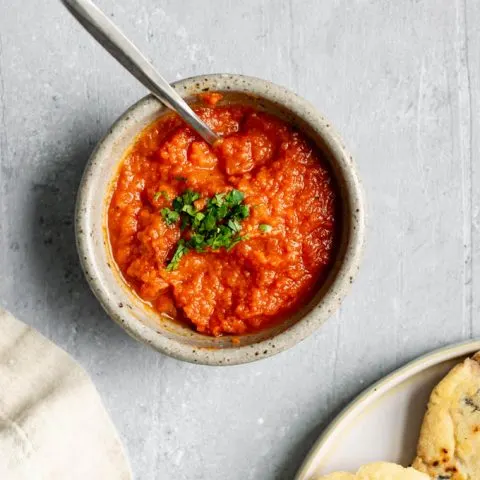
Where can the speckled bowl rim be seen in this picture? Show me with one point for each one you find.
(340, 284)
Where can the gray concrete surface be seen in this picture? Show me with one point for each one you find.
(400, 80)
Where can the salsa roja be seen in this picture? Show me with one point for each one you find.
(287, 240)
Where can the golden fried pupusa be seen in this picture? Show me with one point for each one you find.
(449, 443)
(379, 471)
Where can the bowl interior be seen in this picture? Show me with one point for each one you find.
(126, 307)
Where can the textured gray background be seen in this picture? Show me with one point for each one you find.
(401, 82)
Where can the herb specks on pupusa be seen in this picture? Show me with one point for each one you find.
(473, 402)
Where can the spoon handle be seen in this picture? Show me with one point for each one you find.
(120, 47)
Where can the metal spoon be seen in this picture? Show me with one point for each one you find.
(118, 45)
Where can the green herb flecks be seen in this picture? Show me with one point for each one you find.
(263, 227)
(170, 216)
(162, 193)
(217, 226)
(182, 249)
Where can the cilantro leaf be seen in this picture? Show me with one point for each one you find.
(189, 197)
(197, 220)
(170, 216)
(197, 242)
(182, 250)
(221, 238)
(242, 212)
(162, 193)
(177, 204)
(222, 211)
(218, 199)
(190, 210)
(263, 227)
(237, 240)
(185, 222)
(209, 222)
(235, 197)
(234, 225)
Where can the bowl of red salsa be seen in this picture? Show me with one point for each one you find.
(221, 254)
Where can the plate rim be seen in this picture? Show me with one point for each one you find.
(380, 387)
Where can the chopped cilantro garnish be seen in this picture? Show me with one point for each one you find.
(234, 225)
(218, 199)
(197, 241)
(243, 211)
(190, 210)
(237, 240)
(217, 226)
(235, 197)
(170, 216)
(187, 198)
(182, 249)
(265, 228)
(162, 193)
(199, 216)
(209, 222)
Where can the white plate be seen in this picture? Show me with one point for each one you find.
(383, 422)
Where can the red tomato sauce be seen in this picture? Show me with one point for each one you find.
(287, 187)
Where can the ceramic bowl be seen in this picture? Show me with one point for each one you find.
(172, 338)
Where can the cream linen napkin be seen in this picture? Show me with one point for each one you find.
(52, 423)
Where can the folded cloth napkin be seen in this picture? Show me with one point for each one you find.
(53, 425)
